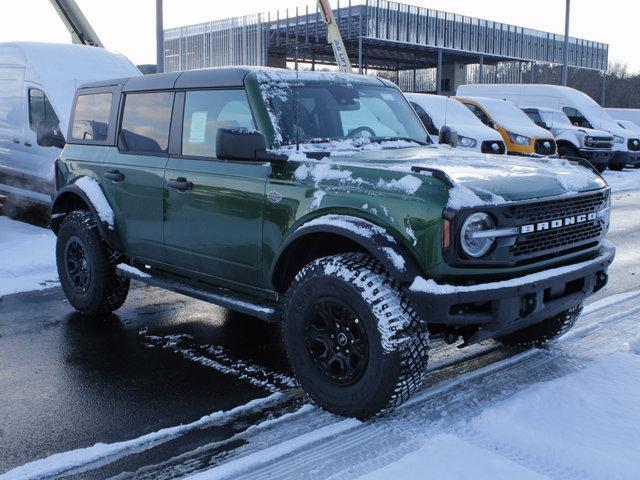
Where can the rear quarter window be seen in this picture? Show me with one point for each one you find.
(91, 117)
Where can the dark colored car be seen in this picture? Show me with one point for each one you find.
(316, 200)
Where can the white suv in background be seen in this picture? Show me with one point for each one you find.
(593, 145)
(437, 111)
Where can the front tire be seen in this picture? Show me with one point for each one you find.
(353, 341)
(539, 334)
(86, 267)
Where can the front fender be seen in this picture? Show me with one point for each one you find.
(371, 237)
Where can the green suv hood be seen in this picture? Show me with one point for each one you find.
(493, 178)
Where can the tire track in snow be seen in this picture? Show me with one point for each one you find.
(439, 409)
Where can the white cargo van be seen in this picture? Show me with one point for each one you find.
(628, 114)
(37, 85)
(437, 111)
(581, 109)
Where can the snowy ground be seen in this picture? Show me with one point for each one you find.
(628, 179)
(567, 412)
(28, 257)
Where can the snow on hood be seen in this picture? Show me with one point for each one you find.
(479, 178)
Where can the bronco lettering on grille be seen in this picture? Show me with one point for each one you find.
(557, 223)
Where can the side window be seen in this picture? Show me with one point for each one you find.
(41, 114)
(576, 117)
(427, 121)
(91, 117)
(483, 117)
(146, 120)
(535, 117)
(208, 110)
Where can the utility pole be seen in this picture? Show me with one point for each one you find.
(565, 63)
(159, 38)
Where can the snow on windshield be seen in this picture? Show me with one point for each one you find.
(321, 108)
(449, 111)
(505, 112)
(556, 119)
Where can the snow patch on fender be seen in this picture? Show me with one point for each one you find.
(95, 194)
(368, 230)
(407, 184)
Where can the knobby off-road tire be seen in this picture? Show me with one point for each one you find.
(87, 266)
(539, 334)
(352, 297)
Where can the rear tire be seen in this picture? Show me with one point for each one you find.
(540, 334)
(87, 267)
(377, 356)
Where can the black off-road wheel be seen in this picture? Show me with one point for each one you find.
(355, 344)
(87, 266)
(540, 334)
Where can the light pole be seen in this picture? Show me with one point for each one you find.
(159, 38)
(565, 62)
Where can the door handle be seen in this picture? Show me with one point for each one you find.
(27, 144)
(114, 176)
(181, 184)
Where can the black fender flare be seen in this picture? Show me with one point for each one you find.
(66, 200)
(371, 237)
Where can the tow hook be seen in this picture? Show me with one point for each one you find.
(528, 305)
(601, 280)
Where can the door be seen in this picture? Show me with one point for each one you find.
(214, 208)
(133, 173)
(11, 122)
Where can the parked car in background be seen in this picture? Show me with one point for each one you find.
(627, 114)
(593, 145)
(437, 111)
(37, 85)
(581, 109)
(520, 134)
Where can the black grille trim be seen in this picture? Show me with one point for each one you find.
(542, 150)
(487, 147)
(558, 208)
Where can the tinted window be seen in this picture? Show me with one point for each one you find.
(207, 111)
(427, 121)
(41, 114)
(145, 122)
(534, 115)
(91, 118)
(576, 117)
(483, 117)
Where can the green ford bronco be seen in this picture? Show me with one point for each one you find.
(316, 200)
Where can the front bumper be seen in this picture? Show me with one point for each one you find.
(625, 158)
(502, 307)
(596, 157)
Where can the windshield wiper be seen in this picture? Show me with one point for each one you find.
(396, 139)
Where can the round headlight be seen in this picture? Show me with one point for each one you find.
(476, 246)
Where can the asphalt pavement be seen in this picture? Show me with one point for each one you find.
(68, 382)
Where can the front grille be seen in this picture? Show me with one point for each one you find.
(558, 239)
(565, 207)
(541, 147)
(600, 142)
(555, 240)
(493, 146)
(633, 144)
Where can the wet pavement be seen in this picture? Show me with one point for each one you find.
(68, 382)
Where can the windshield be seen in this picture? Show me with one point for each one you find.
(452, 112)
(557, 119)
(505, 113)
(321, 112)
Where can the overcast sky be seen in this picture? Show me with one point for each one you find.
(128, 26)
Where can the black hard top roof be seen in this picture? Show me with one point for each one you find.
(207, 78)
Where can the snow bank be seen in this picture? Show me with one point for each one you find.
(621, 181)
(28, 257)
(92, 189)
(63, 462)
(586, 422)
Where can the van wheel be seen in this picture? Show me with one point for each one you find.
(86, 266)
(541, 333)
(353, 341)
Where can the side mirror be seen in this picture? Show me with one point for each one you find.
(49, 137)
(245, 145)
(448, 136)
